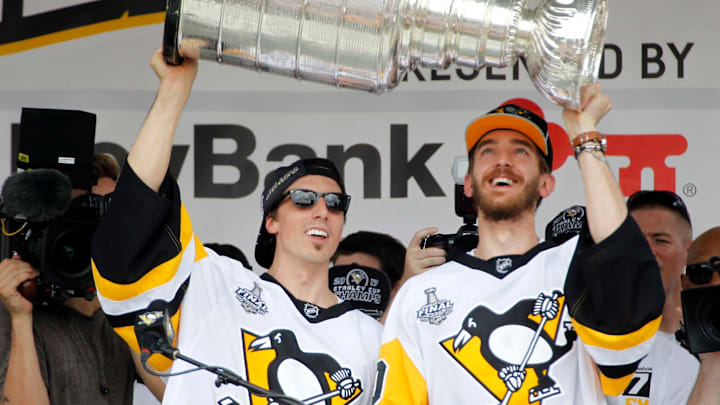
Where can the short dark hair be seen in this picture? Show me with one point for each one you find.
(659, 198)
(388, 250)
(231, 251)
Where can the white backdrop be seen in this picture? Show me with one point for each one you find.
(669, 120)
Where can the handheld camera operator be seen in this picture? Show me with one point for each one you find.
(55, 345)
(285, 330)
(701, 305)
(519, 320)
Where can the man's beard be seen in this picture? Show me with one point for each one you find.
(504, 211)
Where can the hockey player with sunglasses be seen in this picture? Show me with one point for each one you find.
(284, 331)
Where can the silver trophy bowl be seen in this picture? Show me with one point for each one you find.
(371, 44)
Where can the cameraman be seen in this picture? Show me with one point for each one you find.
(706, 389)
(61, 353)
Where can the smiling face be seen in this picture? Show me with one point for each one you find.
(505, 179)
(308, 235)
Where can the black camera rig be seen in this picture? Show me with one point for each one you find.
(467, 235)
(41, 222)
(701, 314)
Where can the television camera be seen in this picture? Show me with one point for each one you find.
(41, 221)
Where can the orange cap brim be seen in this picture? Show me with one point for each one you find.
(488, 123)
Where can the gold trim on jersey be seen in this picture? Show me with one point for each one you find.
(403, 385)
(615, 386)
(156, 276)
(617, 342)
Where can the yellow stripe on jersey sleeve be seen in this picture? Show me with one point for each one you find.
(615, 386)
(158, 361)
(155, 277)
(403, 385)
(617, 342)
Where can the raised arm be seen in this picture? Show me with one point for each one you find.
(606, 208)
(150, 154)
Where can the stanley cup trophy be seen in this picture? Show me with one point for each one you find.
(371, 44)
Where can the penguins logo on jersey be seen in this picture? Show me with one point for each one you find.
(276, 362)
(511, 354)
(250, 300)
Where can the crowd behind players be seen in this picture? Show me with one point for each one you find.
(662, 216)
(61, 355)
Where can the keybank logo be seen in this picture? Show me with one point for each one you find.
(644, 151)
(23, 27)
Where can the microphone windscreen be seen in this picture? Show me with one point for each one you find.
(38, 195)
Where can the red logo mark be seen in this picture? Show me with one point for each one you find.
(643, 150)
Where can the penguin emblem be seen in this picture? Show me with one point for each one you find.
(510, 354)
(275, 361)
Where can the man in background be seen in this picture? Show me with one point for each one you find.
(64, 352)
(703, 270)
(667, 374)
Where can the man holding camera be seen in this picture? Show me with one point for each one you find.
(63, 352)
(500, 324)
(667, 374)
(703, 270)
(284, 331)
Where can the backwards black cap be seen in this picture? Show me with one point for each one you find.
(279, 181)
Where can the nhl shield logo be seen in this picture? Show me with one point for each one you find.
(250, 300)
(311, 310)
(503, 265)
(436, 310)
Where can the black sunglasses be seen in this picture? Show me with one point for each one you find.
(701, 273)
(667, 199)
(307, 198)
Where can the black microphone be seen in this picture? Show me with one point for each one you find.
(37, 195)
(154, 331)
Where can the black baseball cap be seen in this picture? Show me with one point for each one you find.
(516, 118)
(659, 198)
(278, 181)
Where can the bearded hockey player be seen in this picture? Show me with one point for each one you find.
(285, 330)
(518, 320)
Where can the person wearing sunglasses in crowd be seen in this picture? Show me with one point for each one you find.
(703, 270)
(667, 374)
(285, 330)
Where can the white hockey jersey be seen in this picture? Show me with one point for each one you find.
(665, 377)
(558, 325)
(224, 314)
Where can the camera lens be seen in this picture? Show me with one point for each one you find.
(709, 318)
(71, 253)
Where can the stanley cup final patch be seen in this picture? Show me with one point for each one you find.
(436, 310)
(250, 300)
